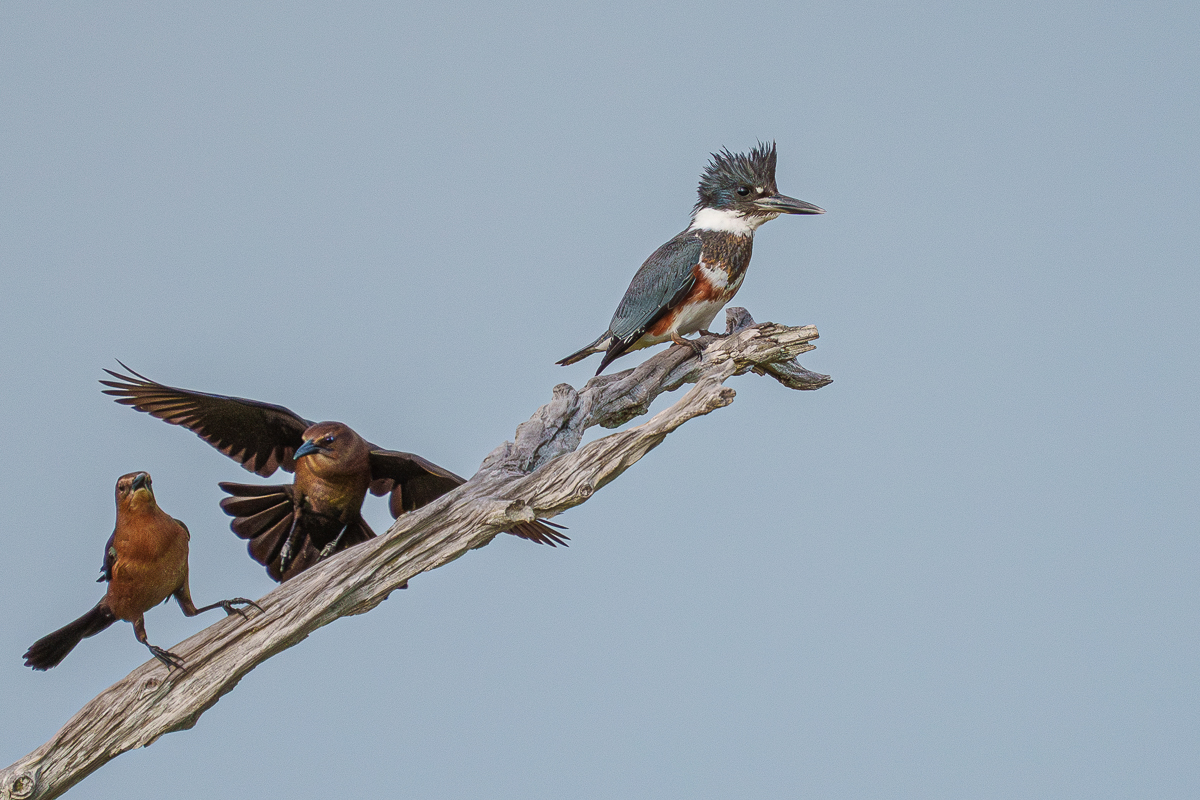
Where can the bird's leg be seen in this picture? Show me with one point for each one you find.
(183, 596)
(697, 348)
(291, 543)
(165, 656)
(331, 548)
(229, 606)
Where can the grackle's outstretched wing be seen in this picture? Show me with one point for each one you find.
(260, 436)
(411, 480)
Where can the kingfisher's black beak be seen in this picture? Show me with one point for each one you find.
(142, 481)
(307, 449)
(782, 204)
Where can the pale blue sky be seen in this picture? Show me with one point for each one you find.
(968, 568)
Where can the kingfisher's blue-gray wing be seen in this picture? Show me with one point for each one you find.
(661, 283)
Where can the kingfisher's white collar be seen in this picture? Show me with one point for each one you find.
(724, 220)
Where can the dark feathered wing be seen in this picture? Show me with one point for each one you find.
(414, 482)
(260, 436)
(110, 558)
(659, 285)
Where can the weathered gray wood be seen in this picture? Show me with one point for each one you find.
(541, 473)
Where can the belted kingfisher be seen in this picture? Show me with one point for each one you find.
(684, 283)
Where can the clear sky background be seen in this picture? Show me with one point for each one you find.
(967, 568)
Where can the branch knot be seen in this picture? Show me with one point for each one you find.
(24, 785)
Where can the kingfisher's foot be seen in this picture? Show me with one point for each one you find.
(711, 333)
(697, 348)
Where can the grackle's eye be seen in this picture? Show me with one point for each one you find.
(743, 191)
(328, 439)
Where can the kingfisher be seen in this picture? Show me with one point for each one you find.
(683, 284)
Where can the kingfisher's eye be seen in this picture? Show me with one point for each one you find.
(743, 191)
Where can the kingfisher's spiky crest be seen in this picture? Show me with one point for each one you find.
(727, 171)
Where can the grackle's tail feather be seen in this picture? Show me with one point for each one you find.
(50, 650)
(264, 515)
(542, 532)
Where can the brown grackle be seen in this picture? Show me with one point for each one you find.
(145, 563)
(290, 527)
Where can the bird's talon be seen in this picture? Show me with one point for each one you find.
(231, 609)
(332, 547)
(167, 657)
(697, 348)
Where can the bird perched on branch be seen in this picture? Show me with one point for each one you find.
(293, 526)
(145, 562)
(683, 284)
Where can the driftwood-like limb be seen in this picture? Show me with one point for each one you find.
(541, 473)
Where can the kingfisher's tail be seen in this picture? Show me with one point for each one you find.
(599, 346)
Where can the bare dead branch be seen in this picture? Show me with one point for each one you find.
(541, 473)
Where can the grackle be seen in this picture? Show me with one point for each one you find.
(145, 563)
(290, 527)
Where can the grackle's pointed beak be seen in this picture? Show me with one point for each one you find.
(307, 449)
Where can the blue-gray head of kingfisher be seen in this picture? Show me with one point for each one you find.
(741, 187)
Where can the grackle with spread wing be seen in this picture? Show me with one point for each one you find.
(290, 527)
